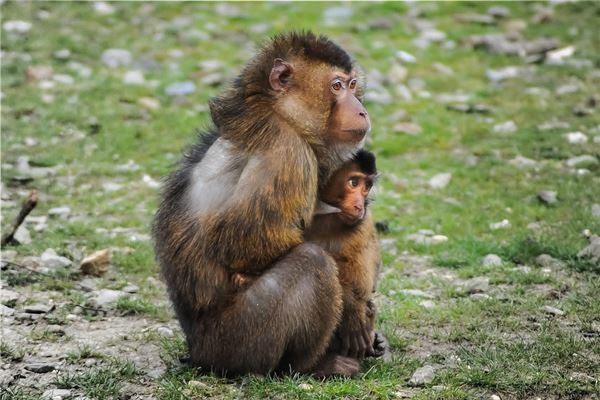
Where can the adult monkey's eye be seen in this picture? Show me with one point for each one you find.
(353, 181)
(352, 84)
(337, 85)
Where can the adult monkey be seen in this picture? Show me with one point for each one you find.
(240, 201)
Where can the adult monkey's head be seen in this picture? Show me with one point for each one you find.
(302, 83)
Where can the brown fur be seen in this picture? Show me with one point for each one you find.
(239, 203)
(353, 244)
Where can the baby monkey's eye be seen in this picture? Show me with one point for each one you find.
(353, 181)
(352, 84)
(337, 85)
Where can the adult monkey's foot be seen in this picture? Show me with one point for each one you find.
(336, 365)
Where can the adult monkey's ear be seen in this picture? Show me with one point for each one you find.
(281, 72)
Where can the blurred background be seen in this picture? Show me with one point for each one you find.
(486, 125)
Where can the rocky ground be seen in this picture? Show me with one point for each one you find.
(487, 133)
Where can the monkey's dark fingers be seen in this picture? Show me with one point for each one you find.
(345, 348)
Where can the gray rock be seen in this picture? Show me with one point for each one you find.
(88, 284)
(547, 197)
(22, 235)
(213, 79)
(498, 12)
(38, 308)
(422, 376)
(505, 127)
(381, 96)
(417, 293)
(107, 297)
(134, 77)
(131, 288)
(8, 296)
(56, 394)
(479, 296)
(479, 284)
(408, 128)
(17, 26)
(164, 331)
(180, 88)
(440, 181)
(595, 210)
(59, 211)
(576, 137)
(405, 57)
(553, 310)
(523, 162)
(547, 261)
(504, 224)
(592, 251)
(115, 58)
(492, 260)
(62, 54)
(427, 304)
(39, 367)
(103, 8)
(420, 238)
(6, 311)
(51, 260)
(585, 159)
(338, 12)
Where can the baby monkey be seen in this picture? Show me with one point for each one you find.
(344, 228)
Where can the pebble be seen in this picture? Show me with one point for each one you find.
(405, 57)
(39, 368)
(547, 197)
(88, 284)
(17, 26)
(38, 308)
(417, 293)
(213, 79)
(495, 397)
(591, 251)
(504, 224)
(553, 310)
(440, 181)
(523, 162)
(6, 311)
(499, 75)
(106, 297)
(479, 296)
(305, 386)
(134, 77)
(427, 304)
(505, 127)
(103, 8)
(420, 238)
(595, 210)
(581, 160)
(59, 211)
(576, 138)
(150, 182)
(63, 79)
(165, 331)
(131, 288)
(476, 285)
(397, 74)
(51, 260)
(180, 88)
(422, 376)
(22, 235)
(498, 12)
(408, 128)
(8, 296)
(115, 58)
(547, 261)
(149, 103)
(62, 54)
(492, 260)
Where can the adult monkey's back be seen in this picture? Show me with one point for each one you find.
(239, 202)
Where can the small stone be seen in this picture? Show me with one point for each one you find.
(180, 88)
(134, 77)
(59, 211)
(422, 376)
(6, 311)
(51, 260)
(106, 297)
(88, 284)
(17, 26)
(553, 310)
(103, 8)
(305, 386)
(115, 58)
(492, 260)
(585, 159)
(165, 331)
(495, 397)
(582, 377)
(436, 239)
(38, 308)
(97, 263)
(505, 127)
(197, 384)
(63, 79)
(214, 79)
(476, 285)
(39, 72)
(479, 296)
(9, 297)
(576, 138)
(149, 103)
(427, 304)
(111, 186)
(547, 197)
(440, 181)
(547, 261)
(416, 293)
(408, 128)
(504, 224)
(592, 251)
(405, 57)
(397, 73)
(22, 235)
(62, 54)
(39, 367)
(499, 75)
(498, 12)
(595, 210)
(131, 288)
(523, 162)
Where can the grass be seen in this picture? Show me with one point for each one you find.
(505, 345)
